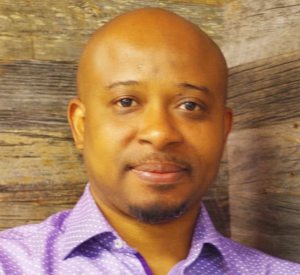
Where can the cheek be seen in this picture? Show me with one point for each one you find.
(207, 142)
(105, 140)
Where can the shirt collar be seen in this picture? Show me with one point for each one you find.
(84, 222)
(205, 233)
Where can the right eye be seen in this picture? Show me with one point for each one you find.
(126, 102)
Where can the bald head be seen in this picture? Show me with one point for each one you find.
(149, 30)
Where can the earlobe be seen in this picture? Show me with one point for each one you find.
(76, 117)
(228, 121)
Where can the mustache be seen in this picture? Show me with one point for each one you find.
(158, 158)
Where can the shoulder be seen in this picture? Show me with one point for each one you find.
(24, 248)
(251, 261)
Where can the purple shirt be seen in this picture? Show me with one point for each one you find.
(81, 241)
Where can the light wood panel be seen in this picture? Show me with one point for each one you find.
(47, 30)
(265, 92)
(255, 30)
(264, 155)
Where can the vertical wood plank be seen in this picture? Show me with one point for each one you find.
(264, 155)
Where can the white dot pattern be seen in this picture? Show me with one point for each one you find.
(82, 242)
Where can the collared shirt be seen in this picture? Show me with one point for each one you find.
(81, 241)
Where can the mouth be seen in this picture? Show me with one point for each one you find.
(159, 172)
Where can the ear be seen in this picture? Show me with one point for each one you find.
(76, 117)
(228, 121)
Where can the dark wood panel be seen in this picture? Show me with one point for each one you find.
(19, 213)
(35, 94)
(40, 173)
(266, 92)
(216, 199)
(34, 163)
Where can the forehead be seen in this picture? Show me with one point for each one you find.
(115, 60)
(156, 55)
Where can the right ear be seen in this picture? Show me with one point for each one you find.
(76, 117)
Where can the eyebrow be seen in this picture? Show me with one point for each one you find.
(122, 83)
(185, 85)
(200, 88)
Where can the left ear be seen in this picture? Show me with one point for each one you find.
(76, 117)
(228, 121)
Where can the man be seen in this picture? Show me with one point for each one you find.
(152, 123)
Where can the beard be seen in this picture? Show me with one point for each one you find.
(158, 213)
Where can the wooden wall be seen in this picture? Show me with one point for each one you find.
(261, 41)
(40, 170)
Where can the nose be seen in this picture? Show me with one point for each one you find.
(158, 129)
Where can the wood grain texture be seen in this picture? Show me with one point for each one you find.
(40, 170)
(264, 156)
(47, 30)
(35, 94)
(265, 189)
(216, 199)
(203, 2)
(266, 92)
(41, 173)
(256, 30)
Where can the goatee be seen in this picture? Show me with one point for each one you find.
(158, 213)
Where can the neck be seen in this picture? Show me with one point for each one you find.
(162, 245)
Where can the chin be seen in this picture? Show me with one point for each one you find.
(158, 212)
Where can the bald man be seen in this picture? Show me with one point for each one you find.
(152, 122)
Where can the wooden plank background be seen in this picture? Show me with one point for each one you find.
(42, 173)
(261, 41)
(44, 30)
(254, 30)
(264, 155)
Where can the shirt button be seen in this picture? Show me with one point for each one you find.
(118, 243)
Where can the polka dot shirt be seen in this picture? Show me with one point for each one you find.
(81, 242)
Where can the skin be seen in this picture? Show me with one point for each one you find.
(152, 123)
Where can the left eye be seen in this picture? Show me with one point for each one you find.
(126, 102)
(190, 106)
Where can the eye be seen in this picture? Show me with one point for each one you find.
(190, 106)
(126, 102)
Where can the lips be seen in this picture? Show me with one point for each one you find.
(159, 172)
(158, 167)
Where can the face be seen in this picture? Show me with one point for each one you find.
(152, 128)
